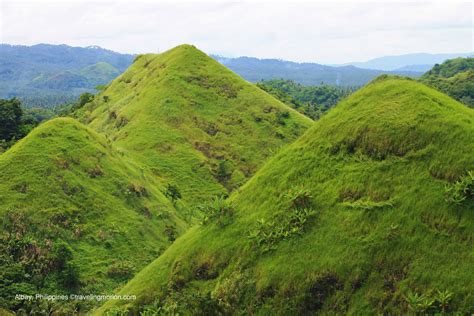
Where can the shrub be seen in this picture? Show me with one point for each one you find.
(299, 198)
(137, 190)
(172, 192)
(267, 234)
(427, 303)
(219, 211)
(462, 189)
(121, 269)
(170, 232)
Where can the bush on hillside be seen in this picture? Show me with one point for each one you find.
(461, 190)
(172, 192)
(219, 211)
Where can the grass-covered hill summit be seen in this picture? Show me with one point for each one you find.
(370, 211)
(193, 123)
(73, 211)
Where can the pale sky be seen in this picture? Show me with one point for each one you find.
(317, 31)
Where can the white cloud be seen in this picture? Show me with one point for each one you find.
(328, 32)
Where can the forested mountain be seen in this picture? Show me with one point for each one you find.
(454, 77)
(44, 75)
(254, 70)
(408, 62)
(312, 101)
(369, 212)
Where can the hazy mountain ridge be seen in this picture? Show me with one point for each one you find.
(418, 61)
(46, 74)
(255, 69)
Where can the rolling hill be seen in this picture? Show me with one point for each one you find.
(193, 123)
(73, 209)
(371, 211)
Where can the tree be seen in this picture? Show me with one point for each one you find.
(10, 119)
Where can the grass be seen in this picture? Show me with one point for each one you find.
(192, 122)
(83, 207)
(65, 183)
(375, 169)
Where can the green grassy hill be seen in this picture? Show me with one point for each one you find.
(454, 77)
(74, 211)
(195, 124)
(370, 211)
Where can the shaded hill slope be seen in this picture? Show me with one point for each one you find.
(354, 217)
(195, 124)
(73, 212)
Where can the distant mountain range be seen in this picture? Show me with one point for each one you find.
(45, 75)
(420, 62)
(51, 74)
(255, 69)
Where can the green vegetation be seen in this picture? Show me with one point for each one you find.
(73, 210)
(76, 205)
(461, 189)
(311, 101)
(454, 77)
(192, 122)
(16, 122)
(390, 149)
(46, 76)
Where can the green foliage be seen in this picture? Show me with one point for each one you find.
(428, 303)
(311, 101)
(454, 77)
(218, 211)
(461, 190)
(10, 118)
(267, 234)
(172, 192)
(299, 198)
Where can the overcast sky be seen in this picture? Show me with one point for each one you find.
(323, 31)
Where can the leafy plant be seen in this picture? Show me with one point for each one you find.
(219, 211)
(443, 298)
(299, 198)
(415, 301)
(172, 192)
(462, 189)
(268, 233)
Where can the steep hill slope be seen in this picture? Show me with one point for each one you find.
(73, 211)
(195, 124)
(354, 217)
(454, 77)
